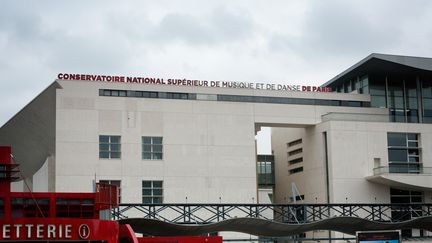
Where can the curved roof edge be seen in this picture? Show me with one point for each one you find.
(423, 63)
(270, 228)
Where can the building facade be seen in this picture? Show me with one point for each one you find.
(352, 158)
(192, 141)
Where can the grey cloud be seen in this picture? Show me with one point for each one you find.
(352, 28)
(341, 28)
(182, 27)
(77, 53)
(220, 26)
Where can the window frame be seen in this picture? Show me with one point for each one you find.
(109, 151)
(408, 144)
(152, 188)
(153, 154)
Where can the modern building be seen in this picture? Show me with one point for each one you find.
(193, 141)
(370, 157)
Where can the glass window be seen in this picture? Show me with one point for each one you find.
(403, 153)
(427, 88)
(364, 85)
(152, 191)
(395, 86)
(412, 103)
(398, 155)
(294, 152)
(411, 88)
(378, 101)
(264, 167)
(295, 161)
(183, 96)
(109, 147)
(296, 170)
(397, 139)
(152, 148)
(396, 102)
(398, 196)
(295, 142)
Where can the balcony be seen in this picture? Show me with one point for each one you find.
(410, 176)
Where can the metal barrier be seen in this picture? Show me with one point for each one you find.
(286, 213)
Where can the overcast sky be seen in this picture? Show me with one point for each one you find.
(291, 42)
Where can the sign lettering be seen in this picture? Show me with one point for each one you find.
(39, 231)
(190, 82)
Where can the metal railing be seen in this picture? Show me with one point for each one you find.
(286, 213)
(342, 116)
(408, 168)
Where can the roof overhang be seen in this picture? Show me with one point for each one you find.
(384, 63)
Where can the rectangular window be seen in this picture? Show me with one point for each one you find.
(295, 161)
(181, 96)
(404, 153)
(294, 152)
(109, 147)
(152, 191)
(399, 196)
(295, 142)
(152, 148)
(296, 170)
(265, 167)
(115, 183)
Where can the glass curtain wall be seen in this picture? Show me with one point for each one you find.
(427, 98)
(408, 97)
(398, 93)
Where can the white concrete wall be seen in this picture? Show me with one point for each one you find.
(352, 148)
(209, 147)
(40, 179)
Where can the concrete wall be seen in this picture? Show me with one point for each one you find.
(31, 134)
(209, 148)
(352, 149)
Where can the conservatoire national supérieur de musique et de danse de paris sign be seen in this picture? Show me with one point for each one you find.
(192, 82)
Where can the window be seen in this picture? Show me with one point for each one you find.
(232, 98)
(294, 152)
(295, 142)
(265, 166)
(295, 161)
(398, 196)
(427, 99)
(115, 183)
(296, 170)
(152, 191)
(109, 147)
(403, 153)
(152, 148)
(182, 96)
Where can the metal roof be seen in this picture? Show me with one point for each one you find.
(395, 62)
